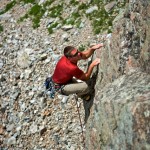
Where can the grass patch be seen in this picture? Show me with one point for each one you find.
(82, 6)
(74, 2)
(28, 1)
(100, 19)
(23, 18)
(51, 27)
(82, 47)
(56, 11)
(1, 28)
(35, 10)
(37, 13)
(73, 19)
(8, 7)
(48, 3)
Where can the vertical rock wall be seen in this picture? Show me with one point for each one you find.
(120, 115)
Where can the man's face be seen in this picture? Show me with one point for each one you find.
(75, 54)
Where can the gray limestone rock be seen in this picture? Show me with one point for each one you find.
(23, 60)
(110, 6)
(11, 141)
(1, 63)
(120, 113)
(91, 9)
(67, 27)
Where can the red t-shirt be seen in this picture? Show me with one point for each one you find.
(65, 71)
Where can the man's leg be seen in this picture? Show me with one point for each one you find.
(80, 88)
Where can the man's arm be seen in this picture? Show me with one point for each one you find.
(87, 53)
(87, 75)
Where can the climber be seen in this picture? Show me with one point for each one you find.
(67, 73)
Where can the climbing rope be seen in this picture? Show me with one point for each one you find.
(83, 138)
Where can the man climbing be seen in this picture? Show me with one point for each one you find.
(67, 72)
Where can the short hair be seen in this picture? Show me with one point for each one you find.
(67, 50)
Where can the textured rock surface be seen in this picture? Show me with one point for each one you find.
(120, 115)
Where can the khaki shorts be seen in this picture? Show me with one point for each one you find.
(76, 87)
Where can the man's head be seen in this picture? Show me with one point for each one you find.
(72, 53)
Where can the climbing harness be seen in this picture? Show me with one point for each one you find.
(52, 87)
(83, 138)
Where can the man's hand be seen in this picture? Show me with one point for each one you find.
(86, 54)
(97, 46)
(87, 75)
(95, 62)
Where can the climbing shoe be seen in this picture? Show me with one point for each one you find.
(86, 97)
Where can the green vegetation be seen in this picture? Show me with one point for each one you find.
(82, 6)
(100, 19)
(1, 28)
(36, 12)
(28, 1)
(52, 26)
(73, 19)
(82, 47)
(56, 11)
(48, 3)
(74, 2)
(22, 18)
(8, 7)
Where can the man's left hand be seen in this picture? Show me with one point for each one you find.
(97, 46)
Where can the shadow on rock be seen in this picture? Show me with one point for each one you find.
(88, 104)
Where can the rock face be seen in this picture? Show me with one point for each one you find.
(120, 115)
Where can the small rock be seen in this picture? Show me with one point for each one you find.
(33, 128)
(43, 56)
(27, 74)
(10, 127)
(47, 112)
(91, 9)
(65, 37)
(67, 27)
(18, 128)
(110, 6)
(43, 130)
(1, 64)
(29, 51)
(2, 78)
(65, 99)
(1, 129)
(50, 21)
(11, 141)
(41, 2)
(5, 16)
(23, 60)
